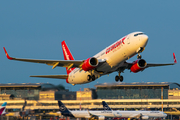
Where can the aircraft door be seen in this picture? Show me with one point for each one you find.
(128, 40)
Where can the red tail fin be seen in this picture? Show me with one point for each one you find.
(67, 55)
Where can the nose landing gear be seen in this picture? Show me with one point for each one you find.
(141, 49)
(139, 56)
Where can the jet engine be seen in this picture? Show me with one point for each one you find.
(101, 118)
(145, 117)
(138, 65)
(90, 64)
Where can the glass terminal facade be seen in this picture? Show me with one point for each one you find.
(24, 91)
(132, 92)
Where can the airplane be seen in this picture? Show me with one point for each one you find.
(137, 114)
(111, 59)
(86, 113)
(3, 109)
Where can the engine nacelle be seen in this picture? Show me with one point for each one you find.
(90, 64)
(101, 117)
(145, 117)
(138, 65)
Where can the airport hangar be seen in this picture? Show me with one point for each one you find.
(43, 97)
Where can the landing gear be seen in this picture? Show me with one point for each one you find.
(91, 77)
(119, 78)
(139, 56)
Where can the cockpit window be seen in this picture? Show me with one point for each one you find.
(138, 34)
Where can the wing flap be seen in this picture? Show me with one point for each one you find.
(52, 76)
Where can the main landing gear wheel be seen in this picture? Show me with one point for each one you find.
(119, 78)
(91, 78)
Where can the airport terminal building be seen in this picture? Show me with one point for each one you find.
(35, 91)
(149, 90)
(119, 96)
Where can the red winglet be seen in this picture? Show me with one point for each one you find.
(175, 61)
(10, 58)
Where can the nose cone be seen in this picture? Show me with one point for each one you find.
(165, 115)
(144, 39)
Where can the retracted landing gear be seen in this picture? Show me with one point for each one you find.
(119, 78)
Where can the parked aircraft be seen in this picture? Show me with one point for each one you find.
(86, 113)
(112, 58)
(3, 109)
(137, 114)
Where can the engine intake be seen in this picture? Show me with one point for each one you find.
(138, 65)
(90, 64)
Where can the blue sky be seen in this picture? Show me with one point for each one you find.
(35, 29)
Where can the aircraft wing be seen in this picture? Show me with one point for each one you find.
(54, 63)
(129, 65)
(52, 76)
(155, 65)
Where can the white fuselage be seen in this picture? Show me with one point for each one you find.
(150, 114)
(114, 55)
(86, 114)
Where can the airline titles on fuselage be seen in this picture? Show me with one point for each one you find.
(118, 43)
(106, 111)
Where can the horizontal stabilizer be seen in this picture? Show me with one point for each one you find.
(52, 76)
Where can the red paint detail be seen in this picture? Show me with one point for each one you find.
(118, 43)
(123, 40)
(67, 80)
(67, 55)
(175, 61)
(136, 68)
(10, 58)
(87, 66)
(1, 110)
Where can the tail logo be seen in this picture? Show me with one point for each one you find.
(62, 108)
(106, 107)
(65, 52)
